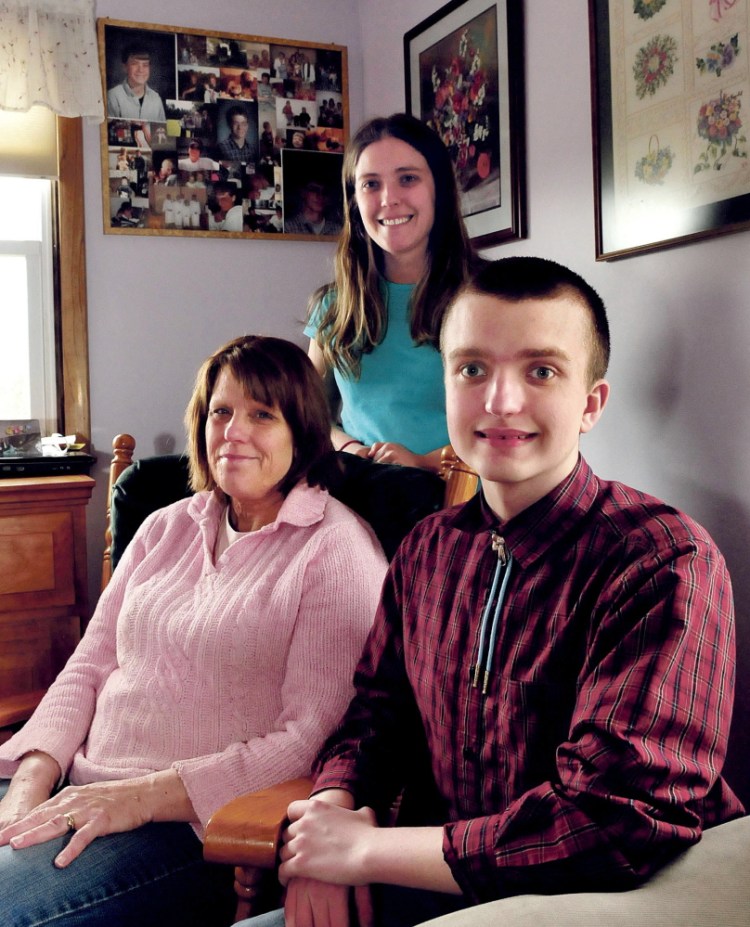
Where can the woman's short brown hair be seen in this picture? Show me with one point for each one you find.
(278, 374)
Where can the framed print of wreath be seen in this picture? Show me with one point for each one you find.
(671, 96)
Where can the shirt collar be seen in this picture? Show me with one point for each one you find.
(531, 533)
(129, 90)
(304, 506)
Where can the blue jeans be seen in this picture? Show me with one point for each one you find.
(154, 875)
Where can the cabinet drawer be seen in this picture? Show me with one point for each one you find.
(37, 559)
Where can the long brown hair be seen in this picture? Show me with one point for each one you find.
(356, 320)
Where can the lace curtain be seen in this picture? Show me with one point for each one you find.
(48, 55)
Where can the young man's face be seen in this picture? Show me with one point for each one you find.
(225, 200)
(138, 71)
(314, 197)
(239, 126)
(518, 393)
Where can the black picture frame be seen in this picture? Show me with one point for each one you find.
(464, 77)
(669, 168)
(213, 145)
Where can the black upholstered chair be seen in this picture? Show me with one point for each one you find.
(392, 499)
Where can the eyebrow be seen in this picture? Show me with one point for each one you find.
(398, 170)
(526, 354)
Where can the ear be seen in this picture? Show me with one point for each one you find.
(595, 403)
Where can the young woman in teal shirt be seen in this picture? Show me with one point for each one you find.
(402, 254)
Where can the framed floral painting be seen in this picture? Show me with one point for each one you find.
(671, 95)
(464, 78)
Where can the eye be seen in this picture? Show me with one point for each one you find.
(543, 373)
(265, 415)
(219, 411)
(369, 185)
(409, 179)
(471, 370)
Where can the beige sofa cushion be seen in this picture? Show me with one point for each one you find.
(706, 886)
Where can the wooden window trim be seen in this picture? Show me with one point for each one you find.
(73, 343)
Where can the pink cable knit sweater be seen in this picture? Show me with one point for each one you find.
(232, 673)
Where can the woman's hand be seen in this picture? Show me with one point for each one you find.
(101, 808)
(35, 778)
(356, 448)
(93, 810)
(19, 800)
(388, 452)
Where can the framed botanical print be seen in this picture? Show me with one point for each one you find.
(670, 93)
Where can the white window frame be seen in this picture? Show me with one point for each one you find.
(42, 360)
(72, 331)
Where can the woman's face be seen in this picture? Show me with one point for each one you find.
(395, 194)
(249, 446)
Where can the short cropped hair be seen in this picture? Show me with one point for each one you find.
(280, 375)
(236, 110)
(520, 278)
(134, 51)
(227, 186)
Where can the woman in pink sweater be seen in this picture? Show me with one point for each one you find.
(219, 658)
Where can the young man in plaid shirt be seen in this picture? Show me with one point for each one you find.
(560, 649)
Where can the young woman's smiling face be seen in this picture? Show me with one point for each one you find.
(395, 194)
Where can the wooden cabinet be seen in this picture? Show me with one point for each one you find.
(43, 591)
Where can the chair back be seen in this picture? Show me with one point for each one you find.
(391, 499)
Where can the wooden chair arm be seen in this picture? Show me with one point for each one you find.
(461, 482)
(247, 831)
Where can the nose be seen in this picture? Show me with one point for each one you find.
(389, 194)
(503, 396)
(236, 429)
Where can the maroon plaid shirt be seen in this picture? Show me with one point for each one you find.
(597, 750)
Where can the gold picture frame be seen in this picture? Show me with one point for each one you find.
(220, 134)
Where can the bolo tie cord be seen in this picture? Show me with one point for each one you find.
(491, 615)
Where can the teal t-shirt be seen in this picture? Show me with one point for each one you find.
(399, 395)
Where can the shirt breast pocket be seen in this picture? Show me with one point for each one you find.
(522, 724)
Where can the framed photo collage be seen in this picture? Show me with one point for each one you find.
(221, 135)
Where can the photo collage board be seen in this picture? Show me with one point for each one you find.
(221, 134)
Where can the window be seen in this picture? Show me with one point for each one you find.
(27, 309)
(64, 204)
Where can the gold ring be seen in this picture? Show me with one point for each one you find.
(70, 821)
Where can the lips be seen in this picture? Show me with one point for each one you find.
(505, 436)
(233, 457)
